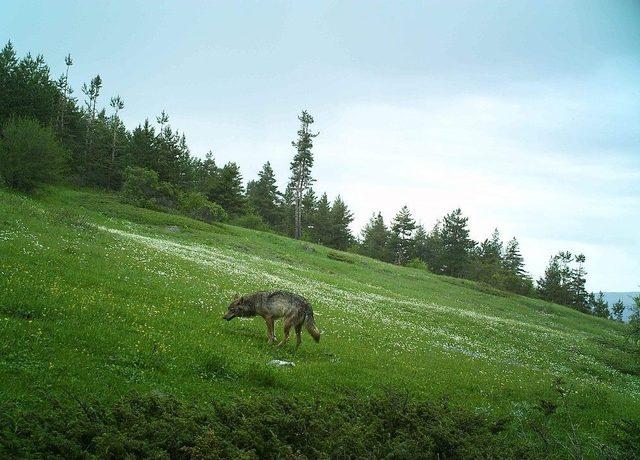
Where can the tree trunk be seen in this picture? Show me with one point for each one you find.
(298, 217)
(64, 100)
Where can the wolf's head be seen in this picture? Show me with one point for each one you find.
(236, 308)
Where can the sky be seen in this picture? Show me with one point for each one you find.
(525, 114)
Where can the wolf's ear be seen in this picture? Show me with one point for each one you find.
(236, 296)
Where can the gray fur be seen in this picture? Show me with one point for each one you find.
(292, 308)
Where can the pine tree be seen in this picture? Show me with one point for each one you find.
(185, 177)
(617, 310)
(205, 171)
(599, 306)
(456, 243)
(565, 284)
(513, 260)
(320, 231)
(301, 166)
(170, 156)
(92, 92)
(140, 149)
(435, 249)
(287, 212)
(402, 228)
(486, 261)
(8, 82)
(117, 104)
(162, 120)
(65, 89)
(491, 249)
(516, 279)
(26, 89)
(340, 217)
(263, 195)
(420, 245)
(375, 239)
(100, 170)
(226, 189)
(552, 286)
(309, 207)
(578, 292)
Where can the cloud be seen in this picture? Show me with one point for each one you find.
(466, 152)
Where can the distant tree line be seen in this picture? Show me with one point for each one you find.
(447, 249)
(48, 134)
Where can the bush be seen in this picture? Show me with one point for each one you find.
(142, 187)
(340, 257)
(157, 425)
(196, 205)
(251, 221)
(29, 155)
(417, 263)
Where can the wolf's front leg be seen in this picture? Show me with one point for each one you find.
(270, 335)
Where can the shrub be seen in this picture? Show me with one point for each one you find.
(417, 263)
(197, 206)
(157, 425)
(29, 155)
(142, 187)
(251, 221)
(340, 257)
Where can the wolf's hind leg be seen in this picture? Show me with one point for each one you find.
(298, 335)
(287, 328)
(270, 335)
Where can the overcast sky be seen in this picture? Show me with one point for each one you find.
(526, 114)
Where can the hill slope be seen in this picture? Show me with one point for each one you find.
(100, 299)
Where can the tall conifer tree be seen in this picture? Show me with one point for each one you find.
(263, 195)
(320, 231)
(513, 261)
(402, 228)
(456, 243)
(340, 236)
(617, 310)
(92, 92)
(375, 238)
(65, 88)
(226, 189)
(301, 165)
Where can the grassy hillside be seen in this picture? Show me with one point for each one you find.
(100, 301)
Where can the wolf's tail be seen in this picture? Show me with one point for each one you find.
(310, 324)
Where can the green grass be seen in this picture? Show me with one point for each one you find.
(101, 300)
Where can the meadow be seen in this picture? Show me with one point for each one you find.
(105, 306)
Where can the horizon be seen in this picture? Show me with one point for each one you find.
(531, 129)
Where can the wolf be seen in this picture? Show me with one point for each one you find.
(294, 309)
